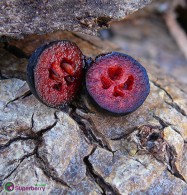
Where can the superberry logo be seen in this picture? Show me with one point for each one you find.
(9, 186)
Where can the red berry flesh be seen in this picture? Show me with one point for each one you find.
(117, 83)
(54, 73)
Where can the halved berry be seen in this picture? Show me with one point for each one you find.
(117, 83)
(54, 72)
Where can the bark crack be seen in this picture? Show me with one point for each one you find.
(173, 104)
(49, 171)
(88, 128)
(165, 124)
(135, 159)
(107, 188)
(173, 169)
(15, 51)
(20, 161)
(16, 139)
(40, 133)
(36, 136)
(124, 136)
(159, 86)
(26, 94)
(151, 139)
(87, 41)
(177, 108)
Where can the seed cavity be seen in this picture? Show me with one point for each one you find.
(128, 83)
(69, 79)
(117, 92)
(67, 67)
(54, 75)
(57, 86)
(106, 82)
(115, 72)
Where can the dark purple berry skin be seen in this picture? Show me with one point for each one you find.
(117, 83)
(30, 68)
(54, 73)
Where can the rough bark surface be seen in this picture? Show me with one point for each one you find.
(82, 150)
(19, 17)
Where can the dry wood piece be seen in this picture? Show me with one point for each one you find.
(19, 18)
(175, 28)
(85, 151)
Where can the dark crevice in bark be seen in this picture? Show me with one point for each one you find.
(124, 136)
(177, 108)
(49, 171)
(40, 133)
(43, 163)
(172, 160)
(163, 123)
(89, 130)
(173, 104)
(26, 94)
(20, 161)
(36, 175)
(177, 131)
(139, 162)
(87, 41)
(171, 166)
(166, 124)
(152, 140)
(106, 187)
(103, 21)
(15, 51)
(36, 136)
(55, 115)
(32, 122)
(159, 86)
(2, 77)
(15, 140)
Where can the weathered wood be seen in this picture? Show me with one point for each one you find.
(175, 28)
(87, 150)
(18, 18)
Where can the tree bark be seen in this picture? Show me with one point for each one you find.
(82, 150)
(19, 18)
